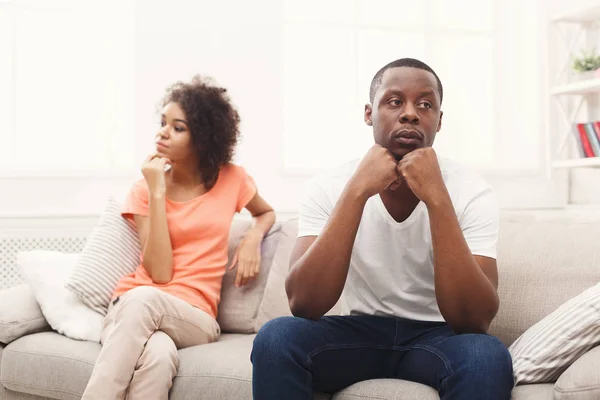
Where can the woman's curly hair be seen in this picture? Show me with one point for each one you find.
(212, 120)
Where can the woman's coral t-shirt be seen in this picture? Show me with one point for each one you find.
(199, 232)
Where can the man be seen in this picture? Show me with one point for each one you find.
(410, 240)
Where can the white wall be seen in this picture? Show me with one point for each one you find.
(243, 50)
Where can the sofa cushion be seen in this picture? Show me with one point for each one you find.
(274, 302)
(220, 370)
(48, 364)
(20, 313)
(238, 307)
(581, 381)
(388, 389)
(542, 391)
(542, 264)
(549, 347)
(51, 365)
(6, 394)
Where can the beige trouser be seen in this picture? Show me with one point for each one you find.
(140, 337)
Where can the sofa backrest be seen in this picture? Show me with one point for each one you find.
(541, 262)
(239, 306)
(275, 302)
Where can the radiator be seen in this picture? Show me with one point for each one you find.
(11, 244)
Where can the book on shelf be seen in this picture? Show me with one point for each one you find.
(587, 136)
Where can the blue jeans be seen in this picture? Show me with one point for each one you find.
(293, 357)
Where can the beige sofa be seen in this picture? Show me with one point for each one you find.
(542, 263)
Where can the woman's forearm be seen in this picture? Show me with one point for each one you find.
(262, 224)
(157, 251)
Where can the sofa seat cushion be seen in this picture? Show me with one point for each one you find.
(581, 381)
(48, 364)
(52, 365)
(388, 389)
(6, 394)
(541, 391)
(219, 370)
(393, 389)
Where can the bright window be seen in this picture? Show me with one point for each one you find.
(484, 51)
(66, 86)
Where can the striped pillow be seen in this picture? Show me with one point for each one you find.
(550, 346)
(111, 252)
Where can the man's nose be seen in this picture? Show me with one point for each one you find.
(409, 114)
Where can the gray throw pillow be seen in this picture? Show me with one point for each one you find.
(549, 347)
(20, 314)
(111, 252)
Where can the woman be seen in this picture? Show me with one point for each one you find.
(182, 209)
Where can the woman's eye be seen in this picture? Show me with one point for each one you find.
(179, 129)
(162, 124)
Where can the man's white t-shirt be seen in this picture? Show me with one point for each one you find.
(391, 269)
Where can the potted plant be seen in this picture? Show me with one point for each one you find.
(587, 66)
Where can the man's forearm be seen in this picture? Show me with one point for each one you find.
(466, 297)
(317, 279)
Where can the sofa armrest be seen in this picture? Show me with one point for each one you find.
(581, 381)
(20, 313)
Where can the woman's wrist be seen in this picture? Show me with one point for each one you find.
(158, 196)
(254, 235)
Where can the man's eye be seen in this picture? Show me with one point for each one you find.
(395, 102)
(426, 105)
(162, 123)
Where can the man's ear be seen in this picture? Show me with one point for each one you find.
(440, 122)
(368, 114)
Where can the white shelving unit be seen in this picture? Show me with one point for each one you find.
(580, 15)
(583, 87)
(578, 163)
(576, 99)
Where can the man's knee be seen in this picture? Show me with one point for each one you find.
(277, 336)
(486, 356)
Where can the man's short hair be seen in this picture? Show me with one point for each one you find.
(403, 62)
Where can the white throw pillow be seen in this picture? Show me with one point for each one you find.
(20, 313)
(111, 252)
(46, 273)
(550, 346)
